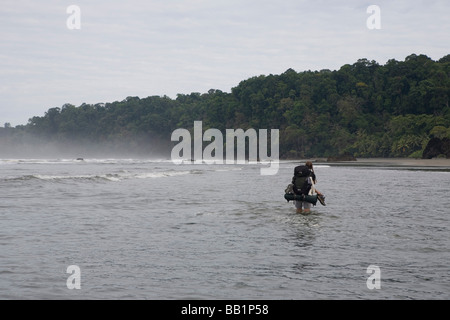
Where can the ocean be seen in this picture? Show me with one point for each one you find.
(150, 229)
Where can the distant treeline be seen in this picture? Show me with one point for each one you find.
(364, 109)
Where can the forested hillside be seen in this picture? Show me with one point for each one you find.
(364, 109)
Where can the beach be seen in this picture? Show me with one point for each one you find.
(396, 162)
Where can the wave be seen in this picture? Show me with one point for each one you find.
(93, 169)
(113, 177)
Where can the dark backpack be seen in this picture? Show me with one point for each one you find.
(301, 180)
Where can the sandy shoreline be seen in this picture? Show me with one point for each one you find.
(393, 162)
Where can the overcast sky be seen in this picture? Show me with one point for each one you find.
(164, 47)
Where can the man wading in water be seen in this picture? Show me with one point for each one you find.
(304, 181)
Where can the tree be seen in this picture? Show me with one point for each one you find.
(363, 108)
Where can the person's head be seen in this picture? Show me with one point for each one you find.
(310, 166)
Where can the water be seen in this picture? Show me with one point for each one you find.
(143, 229)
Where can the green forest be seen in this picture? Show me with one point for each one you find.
(363, 109)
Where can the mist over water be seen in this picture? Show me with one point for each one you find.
(23, 145)
(149, 229)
